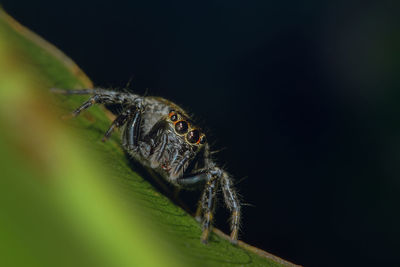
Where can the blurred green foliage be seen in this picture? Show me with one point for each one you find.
(66, 198)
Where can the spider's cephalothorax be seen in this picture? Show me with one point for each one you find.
(160, 135)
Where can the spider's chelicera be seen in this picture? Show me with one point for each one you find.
(161, 135)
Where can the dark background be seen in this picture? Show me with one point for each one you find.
(304, 96)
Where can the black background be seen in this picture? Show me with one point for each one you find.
(304, 96)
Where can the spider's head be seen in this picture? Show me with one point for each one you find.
(182, 127)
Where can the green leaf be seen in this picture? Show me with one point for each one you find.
(68, 199)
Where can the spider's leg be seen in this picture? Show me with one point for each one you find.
(85, 91)
(208, 204)
(207, 200)
(199, 212)
(85, 105)
(108, 95)
(131, 133)
(100, 96)
(200, 177)
(193, 180)
(232, 202)
(118, 122)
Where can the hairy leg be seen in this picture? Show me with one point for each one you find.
(194, 179)
(118, 122)
(191, 181)
(208, 205)
(232, 202)
(100, 96)
(131, 134)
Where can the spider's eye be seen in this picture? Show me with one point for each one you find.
(203, 139)
(181, 127)
(193, 136)
(172, 115)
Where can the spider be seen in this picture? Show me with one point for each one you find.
(161, 136)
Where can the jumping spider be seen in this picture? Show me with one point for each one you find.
(160, 135)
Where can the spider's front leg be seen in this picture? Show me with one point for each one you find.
(207, 203)
(220, 177)
(131, 134)
(207, 200)
(131, 115)
(214, 178)
(232, 202)
(100, 96)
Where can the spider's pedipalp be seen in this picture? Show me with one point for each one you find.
(182, 163)
(157, 140)
(158, 151)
